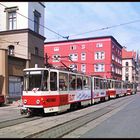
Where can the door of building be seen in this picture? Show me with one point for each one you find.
(15, 86)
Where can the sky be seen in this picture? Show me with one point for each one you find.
(91, 19)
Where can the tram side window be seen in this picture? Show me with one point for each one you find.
(86, 82)
(45, 81)
(116, 84)
(108, 84)
(102, 84)
(72, 82)
(113, 84)
(53, 81)
(96, 83)
(124, 85)
(26, 82)
(63, 81)
(79, 82)
(119, 85)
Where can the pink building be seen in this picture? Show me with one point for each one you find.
(100, 56)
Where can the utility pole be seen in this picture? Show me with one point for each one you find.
(47, 64)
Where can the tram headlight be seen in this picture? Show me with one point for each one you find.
(25, 101)
(37, 102)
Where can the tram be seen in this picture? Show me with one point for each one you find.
(51, 90)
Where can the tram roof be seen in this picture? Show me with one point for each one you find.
(55, 69)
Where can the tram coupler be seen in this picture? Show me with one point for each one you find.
(26, 111)
(23, 110)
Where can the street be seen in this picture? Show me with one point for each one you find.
(8, 112)
(122, 122)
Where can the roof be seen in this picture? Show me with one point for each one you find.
(128, 54)
(83, 39)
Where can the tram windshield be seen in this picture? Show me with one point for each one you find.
(35, 80)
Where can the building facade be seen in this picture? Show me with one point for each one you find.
(21, 43)
(100, 56)
(130, 67)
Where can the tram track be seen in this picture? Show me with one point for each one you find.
(16, 121)
(62, 129)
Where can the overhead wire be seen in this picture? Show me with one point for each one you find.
(106, 28)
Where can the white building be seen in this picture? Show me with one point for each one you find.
(21, 43)
(129, 67)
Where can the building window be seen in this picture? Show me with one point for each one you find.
(99, 45)
(74, 57)
(126, 63)
(99, 68)
(126, 70)
(11, 50)
(113, 57)
(37, 16)
(116, 59)
(99, 55)
(73, 67)
(83, 68)
(83, 56)
(56, 58)
(12, 20)
(83, 46)
(36, 51)
(113, 69)
(73, 47)
(126, 78)
(11, 17)
(56, 49)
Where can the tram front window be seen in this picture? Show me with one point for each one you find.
(35, 80)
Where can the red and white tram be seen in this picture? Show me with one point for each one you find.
(52, 90)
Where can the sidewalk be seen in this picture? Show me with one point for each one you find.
(17, 103)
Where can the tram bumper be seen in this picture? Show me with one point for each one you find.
(30, 110)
